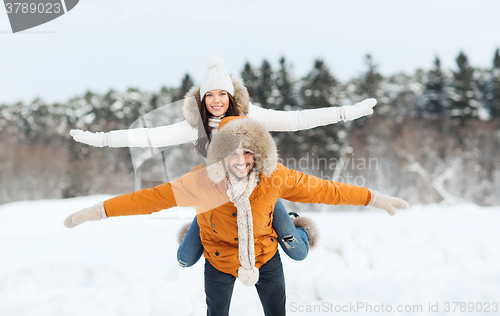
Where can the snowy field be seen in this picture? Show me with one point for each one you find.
(420, 262)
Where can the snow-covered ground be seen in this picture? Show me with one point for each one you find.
(421, 260)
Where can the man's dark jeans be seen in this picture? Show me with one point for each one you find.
(270, 287)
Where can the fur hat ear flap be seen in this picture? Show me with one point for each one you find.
(190, 108)
(268, 162)
(216, 171)
(240, 96)
(221, 147)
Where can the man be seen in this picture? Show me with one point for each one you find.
(235, 195)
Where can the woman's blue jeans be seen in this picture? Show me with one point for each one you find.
(293, 240)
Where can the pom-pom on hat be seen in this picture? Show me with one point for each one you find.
(216, 78)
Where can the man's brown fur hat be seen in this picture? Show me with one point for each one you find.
(236, 131)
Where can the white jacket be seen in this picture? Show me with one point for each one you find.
(272, 120)
(187, 131)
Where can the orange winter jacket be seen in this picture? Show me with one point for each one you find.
(217, 215)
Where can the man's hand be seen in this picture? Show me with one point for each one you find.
(94, 213)
(388, 203)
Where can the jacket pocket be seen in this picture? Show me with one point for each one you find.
(271, 213)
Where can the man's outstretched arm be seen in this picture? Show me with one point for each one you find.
(193, 189)
(300, 187)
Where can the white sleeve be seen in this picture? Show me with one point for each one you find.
(169, 135)
(289, 121)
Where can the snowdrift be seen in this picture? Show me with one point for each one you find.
(418, 262)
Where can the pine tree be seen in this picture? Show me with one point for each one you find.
(35, 121)
(370, 83)
(318, 91)
(251, 80)
(286, 101)
(494, 95)
(187, 83)
(285, 86)
(462, 100)
(265, 87)
(434, 94)
(482, 84)
(402, 97)
(165, 96)
(318, 87)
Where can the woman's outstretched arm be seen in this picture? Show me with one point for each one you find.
(289, 121)
(163, 136)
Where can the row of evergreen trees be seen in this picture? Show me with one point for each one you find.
(461, 95)
(465, 92)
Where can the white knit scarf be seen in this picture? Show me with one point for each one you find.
(239, 192)
(214, 122)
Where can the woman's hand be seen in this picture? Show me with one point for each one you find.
(98, 139)
(360, 109)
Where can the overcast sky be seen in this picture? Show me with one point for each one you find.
(148, 44)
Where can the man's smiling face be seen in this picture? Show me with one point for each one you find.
(241, 162)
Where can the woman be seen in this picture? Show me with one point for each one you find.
(221, 95)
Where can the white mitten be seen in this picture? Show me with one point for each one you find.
(387, 203)
(98, 139)
(94, 213)
(363, 108)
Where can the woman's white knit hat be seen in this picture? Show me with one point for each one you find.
(217, 78)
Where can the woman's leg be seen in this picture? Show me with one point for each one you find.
(191, 249)
(293, 240)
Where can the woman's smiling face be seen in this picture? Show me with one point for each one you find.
(217, 102)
